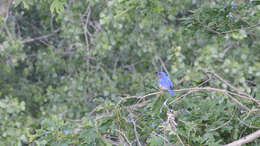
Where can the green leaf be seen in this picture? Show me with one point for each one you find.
(155, 141)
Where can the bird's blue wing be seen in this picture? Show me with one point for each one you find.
(169, 82)
(166, 84)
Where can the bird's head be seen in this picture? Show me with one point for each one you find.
(161, 74)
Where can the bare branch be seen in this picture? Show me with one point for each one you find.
(7, 31)
(228, 93)
(173, 124)
(249, 126)
(180, 81)
(41, 37)
(186, 94)
(85, 23)
(231, 86)
(245, 139)
(136, 133)
(163, 65)
(210, 89)
(154, 93)
(239, 103)
(123, 134)
(165, 139)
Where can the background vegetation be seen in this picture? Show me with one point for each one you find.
(83, 72)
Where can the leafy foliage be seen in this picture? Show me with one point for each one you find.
(83, 72)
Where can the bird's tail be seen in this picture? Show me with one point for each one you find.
(171, 92)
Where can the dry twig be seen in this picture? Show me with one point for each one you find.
(41, 37)
(123, 134)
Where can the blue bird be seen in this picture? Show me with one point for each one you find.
(165, 82)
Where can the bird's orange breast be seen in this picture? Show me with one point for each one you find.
(161, 87)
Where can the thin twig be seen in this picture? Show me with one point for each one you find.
(179, 82)
(86, 32)
(249, 126)
(193, 90)
(165, 139)
(225, 82)
(136, 133)
(238, 102)
(139, 97)
(230, 31)
(224, 123)
(154, 93)
(163, 65)
(7, 31)
(123, 134)
(210, 89)
(186, 94)
(41, 37)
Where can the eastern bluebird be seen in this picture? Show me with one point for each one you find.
(165, 82)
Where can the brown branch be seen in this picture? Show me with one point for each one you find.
(210, 89)
(190, 91)
(41, 37)
(242, 94)
(245, 139)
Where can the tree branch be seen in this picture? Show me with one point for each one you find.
(41, 37)
(245, 139)
(240, 93)
(230, 31)
(124, 136)
(210, 89)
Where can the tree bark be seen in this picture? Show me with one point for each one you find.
(4, 7)
(245, 139)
